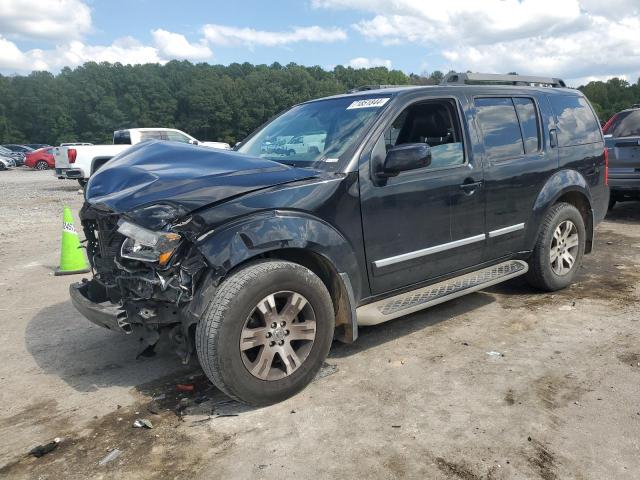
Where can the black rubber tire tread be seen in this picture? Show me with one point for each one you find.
(209, 341)
(540, 274)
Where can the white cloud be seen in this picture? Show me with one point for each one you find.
(363, 62)
(229, 36)
(125, 50)
(174, 45)
(44, 19)
(570, 38)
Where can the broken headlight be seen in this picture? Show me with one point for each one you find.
(156, 216)
(146, 245)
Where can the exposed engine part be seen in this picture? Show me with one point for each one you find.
(147, 313)
(156, 298)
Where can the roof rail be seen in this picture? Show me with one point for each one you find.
(364, 88)
(454, 78)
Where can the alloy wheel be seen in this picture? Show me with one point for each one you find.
(278, 335)
(564, 248)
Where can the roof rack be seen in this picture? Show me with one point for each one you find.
(364, 88)
(454, 78)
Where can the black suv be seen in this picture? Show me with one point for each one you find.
(622, 137)
(409, 197)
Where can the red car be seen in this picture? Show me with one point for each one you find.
(41, 159)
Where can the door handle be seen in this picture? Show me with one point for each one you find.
(470, 187)
(553, 137)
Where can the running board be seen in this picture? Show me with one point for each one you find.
(409, 302)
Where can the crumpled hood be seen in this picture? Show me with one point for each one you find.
(184, 175)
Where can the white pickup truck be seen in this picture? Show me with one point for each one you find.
(79, 162)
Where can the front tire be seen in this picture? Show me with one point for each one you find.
(559, 249)
(266, 332)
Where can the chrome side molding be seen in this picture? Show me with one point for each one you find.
(505, 230)
(385, 262)
(418, 299)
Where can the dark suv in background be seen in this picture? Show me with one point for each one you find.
(258, 260)
(622, 137)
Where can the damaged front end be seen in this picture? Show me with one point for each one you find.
(144, 277)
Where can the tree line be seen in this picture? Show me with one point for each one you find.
(210, 102)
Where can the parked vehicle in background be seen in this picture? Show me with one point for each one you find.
(302, 144)
(74, 144)
(18, 152)
(18, 148)
(132, 136)
(622, 137)
(79, 162)
(17, 157)
(41, 159)
(6, 162)
(37, 146)
(257, 261)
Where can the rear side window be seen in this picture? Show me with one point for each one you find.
(152, 135)
(626, 124)
(577, 124)
(122, 138)
(177, 137)
(528, 123)
(499, 124)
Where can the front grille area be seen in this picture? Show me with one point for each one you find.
(103, 245)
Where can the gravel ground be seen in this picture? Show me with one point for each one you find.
(501, 384)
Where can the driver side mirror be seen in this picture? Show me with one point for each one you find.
(409, 156)
(194, 142)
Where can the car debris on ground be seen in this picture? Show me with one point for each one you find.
(42, 450)
(142, 423)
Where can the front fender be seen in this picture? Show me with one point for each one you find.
(560, 183)
(236, 242)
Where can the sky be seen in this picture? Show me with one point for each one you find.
(578, 40)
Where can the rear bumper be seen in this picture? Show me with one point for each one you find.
(625, 184)
(72, 173)
(104, 314)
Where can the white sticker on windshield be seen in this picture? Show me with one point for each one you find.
(368, 103)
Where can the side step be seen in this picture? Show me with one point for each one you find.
(409, 302)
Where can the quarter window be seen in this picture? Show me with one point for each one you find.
(577, 124)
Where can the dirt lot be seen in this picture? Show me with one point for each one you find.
(419, 397)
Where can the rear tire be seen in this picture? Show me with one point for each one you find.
(42, 165)
(240, 349)
(612, 202)
(82, 182)
(559, 249)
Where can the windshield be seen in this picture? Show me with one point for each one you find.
(316, 134)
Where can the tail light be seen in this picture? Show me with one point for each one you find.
(72, 153)
(606, 165)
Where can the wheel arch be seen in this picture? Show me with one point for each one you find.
(564, 186)
(296, 237)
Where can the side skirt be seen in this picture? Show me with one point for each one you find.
(425, 297)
